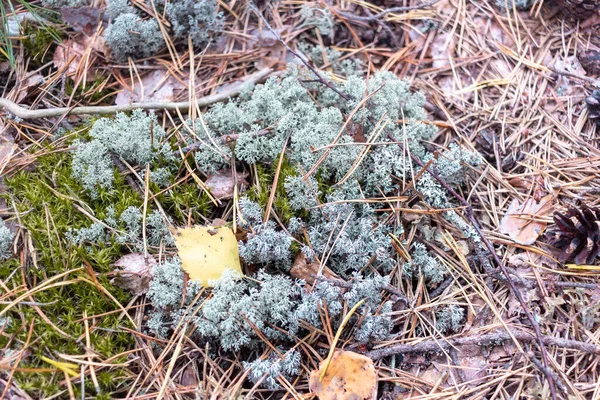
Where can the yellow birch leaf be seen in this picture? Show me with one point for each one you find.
(207, 251)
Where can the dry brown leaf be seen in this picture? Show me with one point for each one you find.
(524, 223)
(158, 86)
(134, 273)
(277, 54)
(349, 376)
(302, 269)
(222, 183)
(82, 19)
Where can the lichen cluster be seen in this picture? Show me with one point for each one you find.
(131, 34)
(328, 171)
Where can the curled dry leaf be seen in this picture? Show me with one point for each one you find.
(158, 86)
(134, 273)
(525, 223)
(206, 252)
(222, 183)
(302, 269)
(349, 376)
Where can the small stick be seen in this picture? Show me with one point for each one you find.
(288, 48)
(435, 345)
(25, 113)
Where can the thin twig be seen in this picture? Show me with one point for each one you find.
(435, 345)
(594, 82)
(320, 78)
(385, 12)
(25, 113)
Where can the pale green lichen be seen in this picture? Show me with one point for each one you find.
(198, 19)
(129, 35)
(6, 241)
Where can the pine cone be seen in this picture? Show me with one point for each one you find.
(578, 9)
(593, 106)
(485, 144)
(577, 234)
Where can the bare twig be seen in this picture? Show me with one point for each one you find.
(434, 345)
(385, 12)
(594, 82)
(25, 113)
(320, 78)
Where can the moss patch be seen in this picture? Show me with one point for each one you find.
(47, 200)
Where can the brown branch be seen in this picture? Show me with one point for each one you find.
(434, 345)
(26, 113)
(385, 12)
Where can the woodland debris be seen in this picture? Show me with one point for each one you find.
(576, 234)
(524, 223)
(305, 270)
(349, 376)
(134, 273)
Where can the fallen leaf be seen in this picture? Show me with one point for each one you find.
(349, 376)
(441, 48)
(302, 269)
(276, 53)
(206, 252)
(569, 65)
(134, 273)
(82, 19)
(157, 86)
(222, 183)
(524, 223)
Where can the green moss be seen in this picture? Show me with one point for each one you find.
(184, 199)
(260, 193)
(38, 42)
(47, 201)
(92, 93)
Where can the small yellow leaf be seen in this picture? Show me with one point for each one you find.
(207, 251)
(349, 376)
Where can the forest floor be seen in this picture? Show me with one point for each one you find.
(507, 84)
